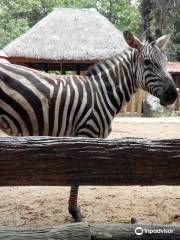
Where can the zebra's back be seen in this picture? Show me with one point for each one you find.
(37, 103)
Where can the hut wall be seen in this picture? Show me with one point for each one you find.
(134, 107)
(176, 78)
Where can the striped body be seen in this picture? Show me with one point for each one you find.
(36, 103)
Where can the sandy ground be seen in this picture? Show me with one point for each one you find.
(42, 206)
(152, 128)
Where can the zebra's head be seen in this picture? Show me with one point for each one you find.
(151, 68)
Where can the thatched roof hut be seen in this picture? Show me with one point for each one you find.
(67, 36)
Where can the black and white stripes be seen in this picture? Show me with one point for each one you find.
(36, 103)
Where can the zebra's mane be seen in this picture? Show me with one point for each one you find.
(92, 71)
(150, 39)
(147, 37)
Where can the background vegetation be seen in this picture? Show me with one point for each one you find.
(153, 16)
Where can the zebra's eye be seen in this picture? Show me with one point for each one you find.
(147, 61)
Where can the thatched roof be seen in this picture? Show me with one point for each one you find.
(69, 34)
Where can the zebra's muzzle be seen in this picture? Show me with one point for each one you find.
(168, 96)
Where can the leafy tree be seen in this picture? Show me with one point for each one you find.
(12, 29)
(121, 13)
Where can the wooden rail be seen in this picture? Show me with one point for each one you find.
(84, 231)
(66, 161)
(51, 161)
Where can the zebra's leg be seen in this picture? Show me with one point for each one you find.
(73, 207)
(134, 220)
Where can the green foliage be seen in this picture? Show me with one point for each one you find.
(122, 13)
(12, 29)
(177, 23)
(177, 37)
(178, 47)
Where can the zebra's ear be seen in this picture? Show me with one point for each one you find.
(162, 41)
(132, 41)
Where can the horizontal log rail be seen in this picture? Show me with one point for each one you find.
(48, 161)
(84, 231)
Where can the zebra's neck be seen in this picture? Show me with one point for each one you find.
(114, 80)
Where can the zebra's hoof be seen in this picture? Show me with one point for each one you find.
(76, 214)
(134, 220)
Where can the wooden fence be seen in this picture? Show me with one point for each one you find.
(85, 231)
(47, 161)
(65, 161)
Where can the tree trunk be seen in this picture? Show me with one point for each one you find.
(145, 10)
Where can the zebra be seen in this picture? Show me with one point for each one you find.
(35, 103)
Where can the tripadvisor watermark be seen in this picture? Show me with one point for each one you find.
(143, 230)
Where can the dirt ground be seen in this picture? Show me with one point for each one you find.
(47, 206)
